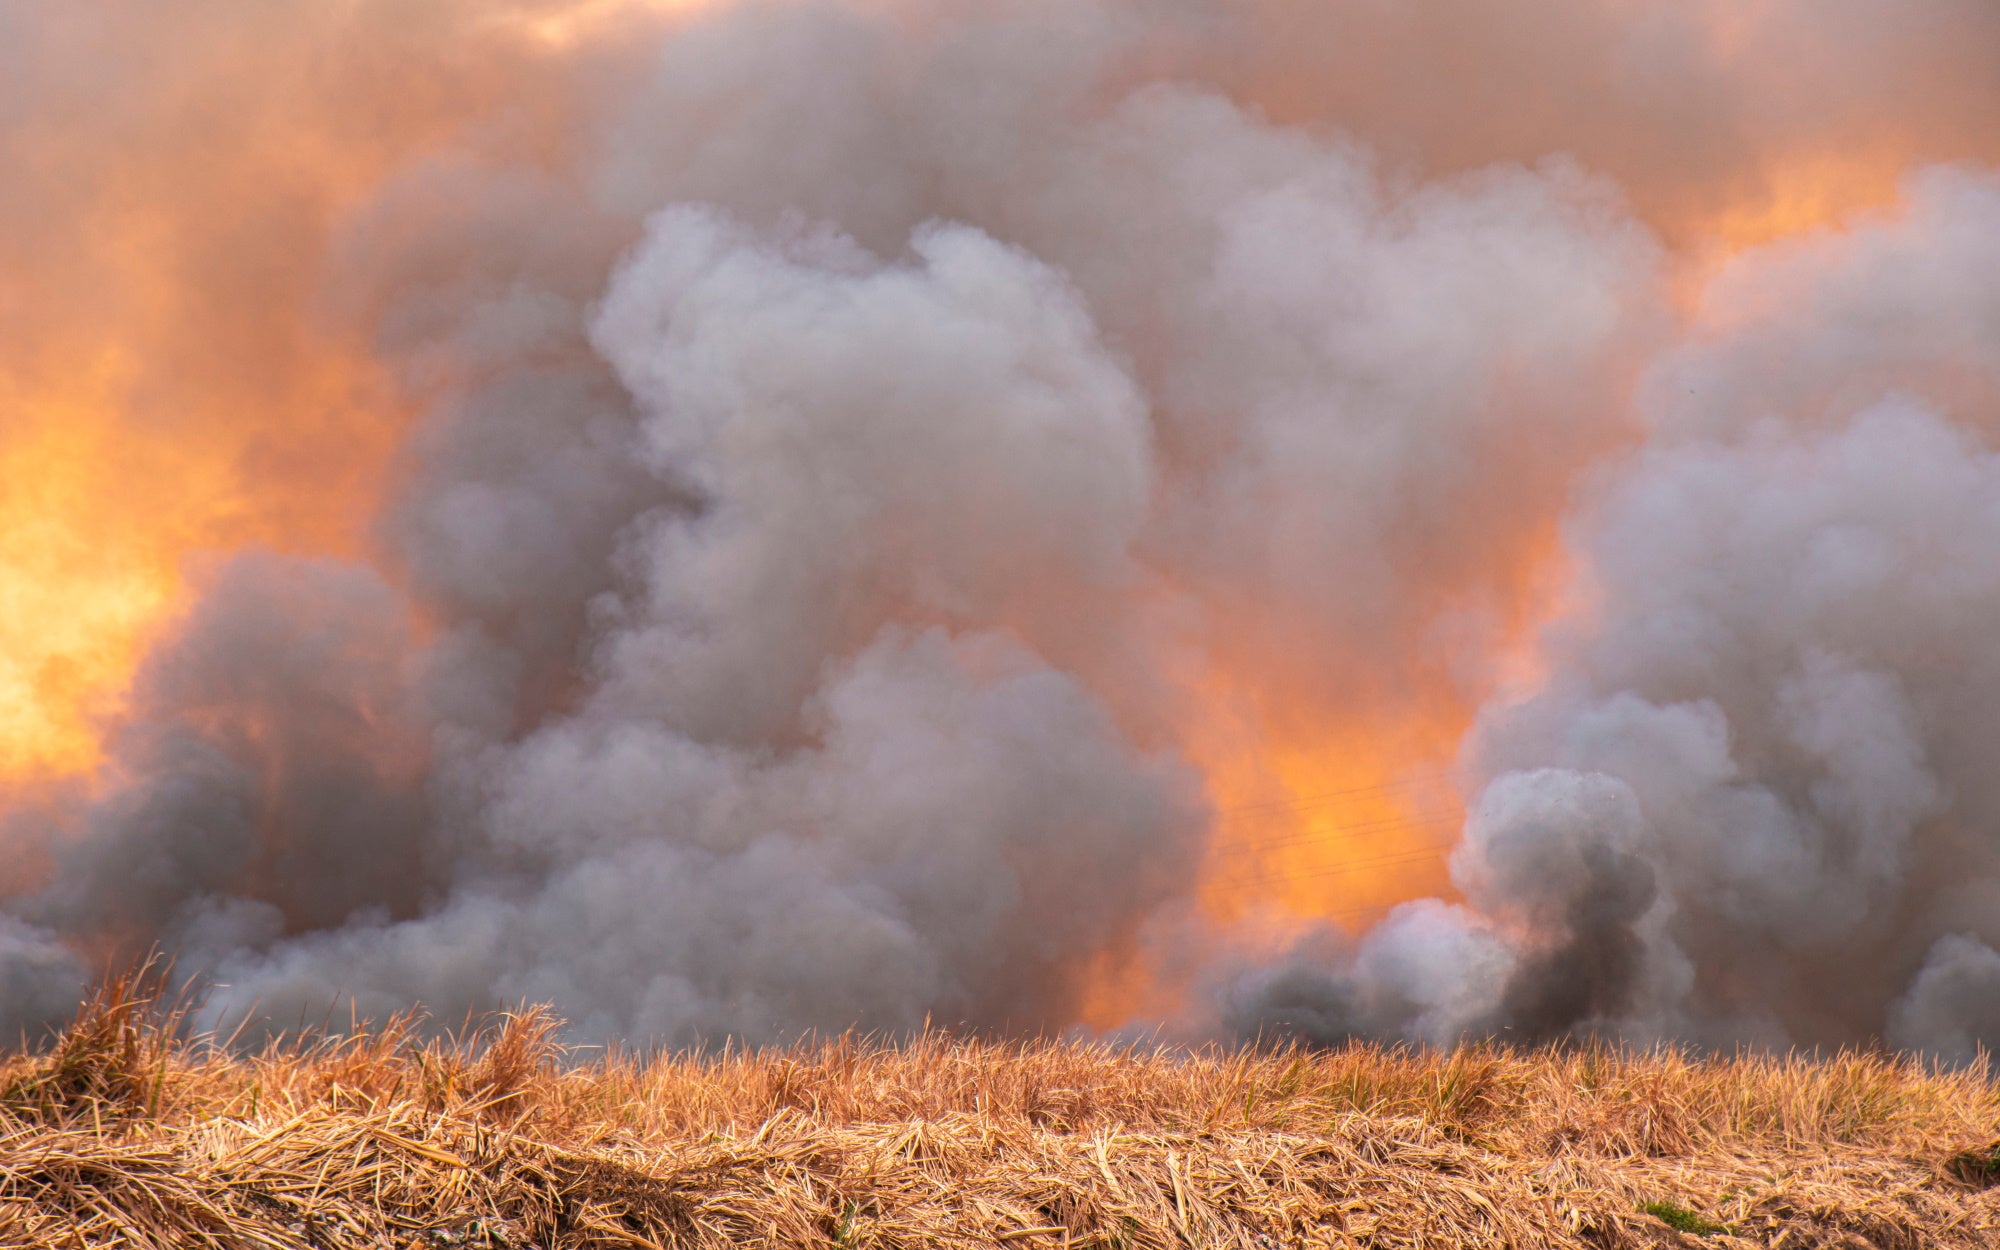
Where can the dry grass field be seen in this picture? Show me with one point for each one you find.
(120, 1135)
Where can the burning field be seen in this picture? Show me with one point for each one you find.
(1423, 524)
(1333, 622)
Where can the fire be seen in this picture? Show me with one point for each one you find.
(1336, 815)
(176, 424)
(73, 606)
(1316, 818)
(98, 517)
(168, 389)
(1336, 812)
(1321, 814)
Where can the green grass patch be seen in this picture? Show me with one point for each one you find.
(1680, 1219)
(1978, 1167)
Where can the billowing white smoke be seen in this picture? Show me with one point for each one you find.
(1786, 661)
(805, 787)
(827, 475)
(1754, 795)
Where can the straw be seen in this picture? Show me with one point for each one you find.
(122, 1133)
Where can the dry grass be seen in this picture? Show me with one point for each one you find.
(119, 1135)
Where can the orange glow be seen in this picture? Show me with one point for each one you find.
(1328, 810)
(1324, 821)
(1338, 809)
(570, 24)
(1795, 195)
(1808, 192)
(1316, 820)
(180, 398)
(170, 387)
(1321, 814)
(71, 610)
(97, 516)
(1332, 814)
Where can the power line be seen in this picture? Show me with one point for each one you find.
(1380, 826)
(1311, 800)
(1433, 850)
(1389, 824)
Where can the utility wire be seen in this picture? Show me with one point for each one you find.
(1435, 850)
(1239, 846)
(1312, 800)
(1368, 828)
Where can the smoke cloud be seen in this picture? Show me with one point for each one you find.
(1750, 799)
(742, 519)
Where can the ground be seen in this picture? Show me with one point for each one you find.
(123, 1133)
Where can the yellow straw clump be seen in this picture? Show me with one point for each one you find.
(121, 1134)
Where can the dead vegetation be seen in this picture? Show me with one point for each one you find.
(120, 1134)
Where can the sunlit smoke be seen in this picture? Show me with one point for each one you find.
(1414, 521)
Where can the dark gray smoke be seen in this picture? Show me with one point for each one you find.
(848, 432)
(1753, 798)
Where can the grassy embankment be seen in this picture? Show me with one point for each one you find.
(118, 1134)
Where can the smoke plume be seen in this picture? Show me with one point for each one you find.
(737, 519)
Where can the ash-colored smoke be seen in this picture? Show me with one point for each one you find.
(844, 428)
(1753, 799)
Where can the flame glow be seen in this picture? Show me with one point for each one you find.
(146, 430)
(168, 391)
(98, 518)
(73, 610)
(568, 24)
